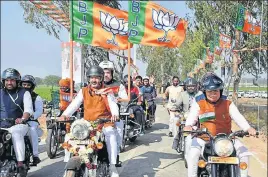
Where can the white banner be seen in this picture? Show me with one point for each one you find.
(77, 56)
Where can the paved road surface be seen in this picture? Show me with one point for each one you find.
(150, 156)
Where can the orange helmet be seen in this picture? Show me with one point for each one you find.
(64, 82)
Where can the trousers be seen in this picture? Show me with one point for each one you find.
(18, 133)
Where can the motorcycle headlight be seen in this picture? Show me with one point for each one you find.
(55, 112)
(223, 147)
(80, 131)
(8, 136)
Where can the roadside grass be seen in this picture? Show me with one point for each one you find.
(250, 88)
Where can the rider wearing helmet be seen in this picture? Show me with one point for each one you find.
(28, 82)
(173, 92)
(18, 104)
(149, 94)
(135, 94)
(214, 112)
(120, 93)
(98, 105)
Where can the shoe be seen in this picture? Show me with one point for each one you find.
(118, 163)
(36, 160)
(113, 171)
(22, 171)
(142, 133)
(170, 134)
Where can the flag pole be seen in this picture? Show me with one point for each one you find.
(128, 63)
(71, 50)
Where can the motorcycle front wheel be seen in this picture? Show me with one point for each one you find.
(52, 144)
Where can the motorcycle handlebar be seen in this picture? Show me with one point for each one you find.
(241, 134)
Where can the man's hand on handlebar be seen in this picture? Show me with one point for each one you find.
(63, 118)
(114, 118)
(20, 120)
(187, 128)
(251, 131)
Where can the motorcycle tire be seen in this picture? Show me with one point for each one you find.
(69, 173)
(123, 146)
(133, 139)
(103, 170)
(51, 141)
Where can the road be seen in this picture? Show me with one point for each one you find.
(150, 156)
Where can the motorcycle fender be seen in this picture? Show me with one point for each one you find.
(74, 163)
(51, 126)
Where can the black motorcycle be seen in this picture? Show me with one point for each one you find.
(131, 128)
(88, 149)
(56, 131)
(8, 161)
(149, 118)
(219, 158)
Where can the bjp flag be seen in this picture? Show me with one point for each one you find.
(99, 25)
(152, 25)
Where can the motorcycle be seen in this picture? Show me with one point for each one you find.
(130, 132)
(218, 158)
(150, 119)
(88, 148)
(8, 162)
(56, 131)
(179, 140)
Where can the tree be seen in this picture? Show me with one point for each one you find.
(38, 80)
(221, 16)
(51, 80)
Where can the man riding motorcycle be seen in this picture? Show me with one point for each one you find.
(98, 105)
(18, 104)
(120, 93)
(173, 92)
(134, 94)
(28, 82)
(214, 112)
(149, 94)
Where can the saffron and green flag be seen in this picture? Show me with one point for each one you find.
(150, 24)
(245, 22)
(99, 25)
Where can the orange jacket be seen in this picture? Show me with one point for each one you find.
(215, 118)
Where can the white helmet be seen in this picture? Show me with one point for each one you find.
(146, 77)
(107, 65)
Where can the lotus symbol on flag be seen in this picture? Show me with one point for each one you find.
(113, 25)
(166, 22)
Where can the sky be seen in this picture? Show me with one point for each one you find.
(33, 51)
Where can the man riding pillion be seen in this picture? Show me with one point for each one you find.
(149, 94)
(137, 109)
(18, 104)
(120, 94)
(173, 92)
(214, 112)
(98, 105)
(28, 82)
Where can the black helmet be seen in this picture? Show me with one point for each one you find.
(11, 73)
(95, 71)
(191, 82)
(29, 79)
(211, 82)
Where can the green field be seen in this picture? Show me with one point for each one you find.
(45, 91)
(250, 88)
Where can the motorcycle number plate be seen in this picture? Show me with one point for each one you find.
(223, 160)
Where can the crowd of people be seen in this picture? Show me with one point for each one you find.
(203, 101)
